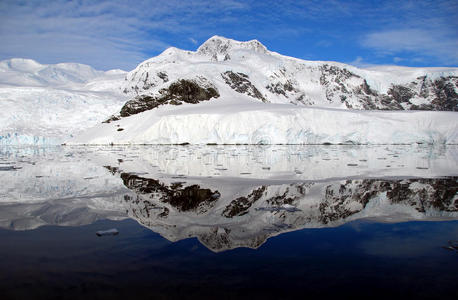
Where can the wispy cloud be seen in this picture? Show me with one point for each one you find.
(416, 31)
(360, 62)
(103, 34)
(423, 42)
(324, 43)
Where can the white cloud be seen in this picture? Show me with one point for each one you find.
(432, 43)
(324, 43)
(359, 62)
(193, 41)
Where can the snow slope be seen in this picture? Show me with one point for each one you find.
(46, 104)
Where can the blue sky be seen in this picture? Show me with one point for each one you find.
(121, 34)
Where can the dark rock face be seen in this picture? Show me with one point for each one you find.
(445, 96)
(239, 82)
(241, 205)
(182, 198)
(183, 90)
(334, 81)
(422, 194)
(281, 88)
(440, 93)
(437, 94)
(163, 76)
(189, 92)
(139, 104)
(400, 93)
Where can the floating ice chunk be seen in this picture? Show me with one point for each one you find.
(112, 231)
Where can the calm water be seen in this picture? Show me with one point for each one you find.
(229, 222)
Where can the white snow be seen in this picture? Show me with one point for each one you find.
(226, 121)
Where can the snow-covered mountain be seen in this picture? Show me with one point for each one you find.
(27, 72)
(237, 92)
(46, 104)
(248, 68)
(230, 92)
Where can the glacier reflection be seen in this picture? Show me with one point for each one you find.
(227, 196)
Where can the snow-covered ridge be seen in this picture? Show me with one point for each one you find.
(218, 48)
(27, 72)
(282, 79)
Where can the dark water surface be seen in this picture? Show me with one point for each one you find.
(354, 260)
(196, 222)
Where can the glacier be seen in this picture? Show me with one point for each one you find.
(274, 124)
(46, 104)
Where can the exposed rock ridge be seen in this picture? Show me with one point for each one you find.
(240, 83)
(183, 199)
(179, 92)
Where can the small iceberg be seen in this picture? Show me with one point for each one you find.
(112, 231)
(452, 246)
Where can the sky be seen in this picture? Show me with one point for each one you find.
(120, 34)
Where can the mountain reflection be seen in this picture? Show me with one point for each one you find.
(228, 197)
(223, 222)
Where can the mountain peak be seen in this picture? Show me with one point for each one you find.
(218, 45)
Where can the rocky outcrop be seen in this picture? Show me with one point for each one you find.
(441, 93)
(343, 200)
(421, 94)
(280, 88)
(240, 206)
(179, 92)
(240, 83)
(189, 198)
(343, 86)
